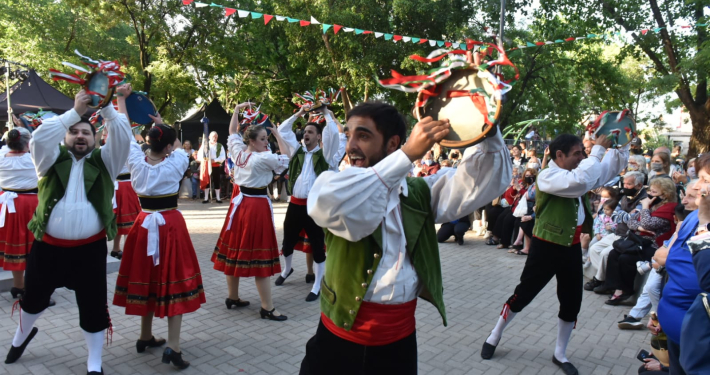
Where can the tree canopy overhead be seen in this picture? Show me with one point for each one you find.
(179, 54)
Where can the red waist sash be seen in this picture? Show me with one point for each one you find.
(377, 324)
(215, 164)
(73, 243)
(299, 201)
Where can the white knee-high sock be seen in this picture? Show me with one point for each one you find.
(207, 194)
(287, 266)
(503, 321)
(564, 332)
(95, 345)
(320, 271)
(216, 193)
(27, 321)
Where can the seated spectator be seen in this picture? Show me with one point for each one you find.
(517, 157)
(655, 223)
(429, 165)
(604, 223)
(632, 193)
(527, 222)
(456, 228)
(455, 157)
(506, 223)
(660, 165)
(637, 163)
(533, 161)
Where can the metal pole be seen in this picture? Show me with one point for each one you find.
(10, 123)
(500, 31)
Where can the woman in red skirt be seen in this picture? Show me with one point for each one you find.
(247, 245)
(126, 207)
(18, 202)
(159, 274)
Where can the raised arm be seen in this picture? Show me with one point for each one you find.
(115, 152)
(333, 140)
(234, 122)
(482, 175)
(285, 130)
(44, 145)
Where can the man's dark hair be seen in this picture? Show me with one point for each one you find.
(387, 119)
(319, 130)
(680, 212)
(564, 143)
(518, 147)
(87, 120)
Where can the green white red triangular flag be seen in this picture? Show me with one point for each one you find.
(348, 29)
(255, 15)
(377, 35)
(304, 23)
(242, 13)
(326, 27)
(416, 40)
(201, 5)
(229, 11)
(187, 2)
(314, 21)
(267, 18)
(336, 28)
(359, 31)
(280, 18)
(388, 36)
(432, 43)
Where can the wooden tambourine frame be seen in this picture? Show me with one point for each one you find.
(437, 105)
(109, 92)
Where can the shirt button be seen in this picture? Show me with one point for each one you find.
(364, 285)
(358, 299)
(369, 272)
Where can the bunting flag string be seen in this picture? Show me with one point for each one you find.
(395, 38)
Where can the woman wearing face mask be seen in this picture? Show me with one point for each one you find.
(507, 224)
(533, 161)
(647, 156)
(660, 165)
(655, 223)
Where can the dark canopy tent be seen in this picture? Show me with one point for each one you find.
(32, 95)
(191, 127)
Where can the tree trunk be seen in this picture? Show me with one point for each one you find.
(700, 140)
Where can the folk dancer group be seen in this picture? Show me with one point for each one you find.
(377, 224)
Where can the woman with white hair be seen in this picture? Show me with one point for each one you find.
(18, 202)
(216, 155)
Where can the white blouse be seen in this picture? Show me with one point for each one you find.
(253, 169)
(160, 179)
(17, 172)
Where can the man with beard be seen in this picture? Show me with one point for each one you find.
(217, 155)
(72, 222)
(382, 246)
(562, 215)
(308, 161)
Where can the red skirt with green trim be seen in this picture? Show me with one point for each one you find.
(235, 192)
(15, 239)
(174, 286)
(250, 247)
(127, 207)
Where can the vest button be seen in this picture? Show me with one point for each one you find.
(352, 312)
(55, 200)
(369, 272)
(46, 214)
(377, 256)
(358, 299)
(364, 285)
(346, 325)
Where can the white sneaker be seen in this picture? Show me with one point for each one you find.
(487, 235)
(643, 267)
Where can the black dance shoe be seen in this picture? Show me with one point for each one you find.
(17, 292)
(96, 372)
(566, 367)
(616, 300)
(152, 343)
(117, 254)
(488, 350)
(280, 280)
(235, 302)
(265, 314)
(16, 352)
(312, 297)
(310, 278)
(592, 284)
(205, 202)
(170, 355)
(218, 201)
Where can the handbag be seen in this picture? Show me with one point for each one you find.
(521, 209)
(631, 243)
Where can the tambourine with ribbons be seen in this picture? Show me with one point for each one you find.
(253, 116)
(619, 126)
(99, 78)
(462, 90)
(315, 101)
(31, 120)
(140, 108)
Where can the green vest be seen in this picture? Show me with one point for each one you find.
(296, 164)
(351, 265)
(97, 183)
(555, 217)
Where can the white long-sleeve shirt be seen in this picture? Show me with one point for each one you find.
(159, 179)
(592, 172)
(333, 151)
(17, 172)
(214, 158)
(253, 169)
(74, 217)
(354, 202)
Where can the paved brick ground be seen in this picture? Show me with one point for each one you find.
(477, 280)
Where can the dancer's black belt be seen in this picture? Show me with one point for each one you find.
(123, 177)
(159, 203)
(22, 191)
(253, 191)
